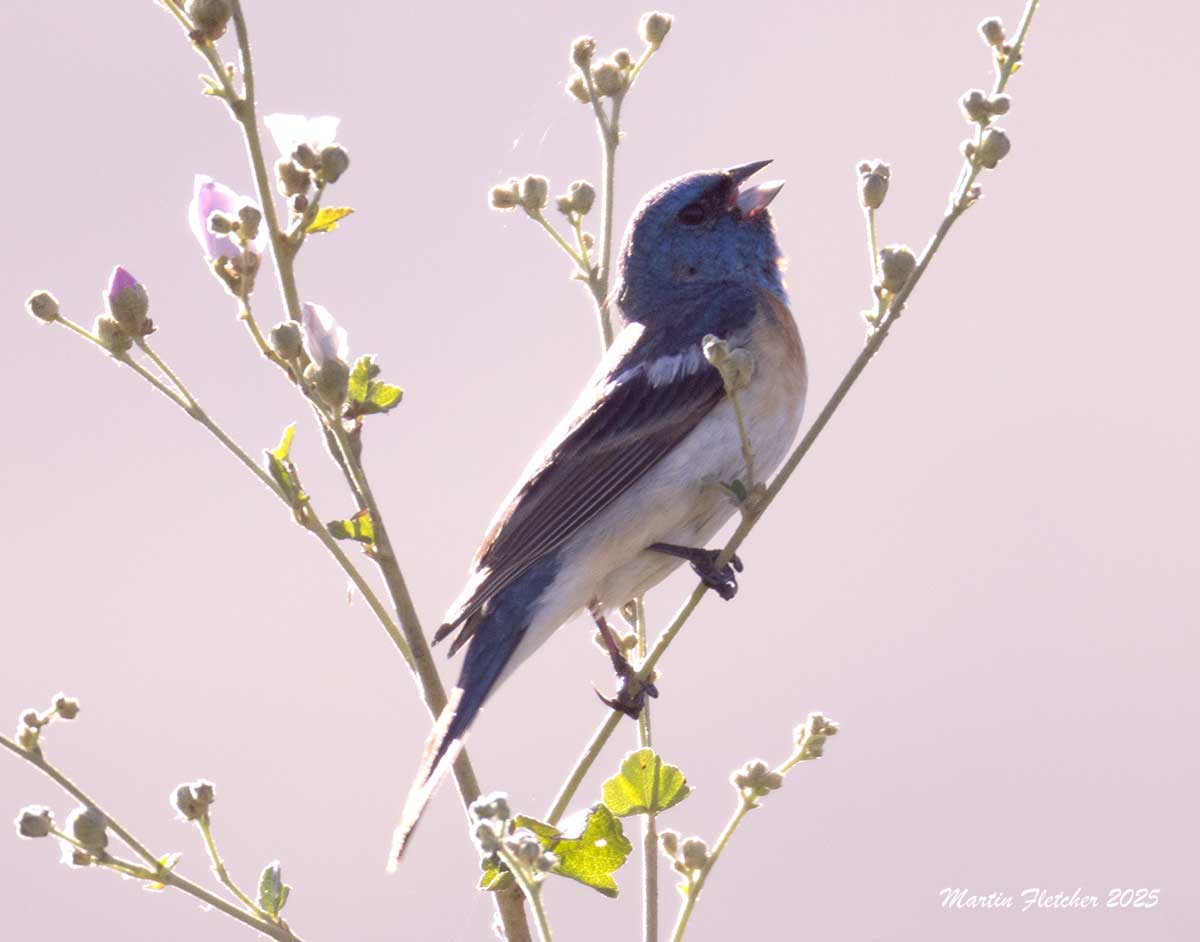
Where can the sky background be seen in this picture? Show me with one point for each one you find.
(985, 570)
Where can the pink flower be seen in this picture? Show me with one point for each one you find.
(118, 281)
(212, 197)
(324, 340)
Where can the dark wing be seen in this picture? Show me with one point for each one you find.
(618, 435)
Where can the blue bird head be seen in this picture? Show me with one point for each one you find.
(694, 234)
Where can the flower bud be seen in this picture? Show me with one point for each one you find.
(221, 223)
(525, 847)
(27, 738)
(992, 31)
(298, 204)
(30, 718)
(582, 51)
(330, 381)
(249, 219)
(291, 180)
(577, 89)
(873, 179)
(693, 853)
(563, 205)
(286, 340)
(504, 195)
(192, 799)
(492, 807)
(974, 105)
(756, 778)
(896, 265)
(622, 58)
(999, 104)
(546, 861)
(654, 27)
(533, 192)
(305, 157)
(127, 302)
(334, 162)
(89, 828)
(486, 838)
(66, 707)
(43, 305)
(582, 196)
(34, 821)
(810, 738)
(112, 337)
(994, 146)
(668, 840)
(210, 17)
(608, 78)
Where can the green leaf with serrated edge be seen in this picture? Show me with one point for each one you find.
(167, 862)
(589, 853)
(272, 891)
(327, 218)
(364, 371)
(281, 468)
(631, 791)
(366, 395)
(359, 527)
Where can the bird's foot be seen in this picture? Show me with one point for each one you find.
(722, 580)
(632, 692)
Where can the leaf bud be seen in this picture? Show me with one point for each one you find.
(992, 31)
(34, 821)
(896, 265)
(89, 827)
(608, 78)
(654, 27)
(334, 162)
(111, 336)
(210, 17)
(577, 89)
(66, 707)
(533, 192)
(582, 51)
(994, 146)
(873, 179)
(286, 340)
(44, 306)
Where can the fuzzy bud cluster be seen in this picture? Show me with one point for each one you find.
(756, 779)
(608, 78)
(873, 178)
(579, 199)
(736, 366)
(192, 800)
(896, 265)
(530, 193)
(810, 738)
(492, 807)
(979, 108)
(689, 855)
(654, 26)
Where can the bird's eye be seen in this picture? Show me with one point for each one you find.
(692, 214)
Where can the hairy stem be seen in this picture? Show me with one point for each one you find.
(745, 805)
(531, 887)
(222, 874)
(650, 820)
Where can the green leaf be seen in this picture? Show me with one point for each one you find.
(279, 464)
(367, 395)
(589, 853)
(359, 527)
(327, 218)
(272, 891)
(167, 862)
(633, 790)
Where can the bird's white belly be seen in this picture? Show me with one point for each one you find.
(680, 500)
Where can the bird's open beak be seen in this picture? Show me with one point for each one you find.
(754, 198)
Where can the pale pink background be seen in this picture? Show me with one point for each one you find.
(986, 571)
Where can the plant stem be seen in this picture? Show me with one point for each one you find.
(745, 806)
(650, 820)
(218, 866)
(872, 242)
(959, 203)
(531, 887)
(159, 873)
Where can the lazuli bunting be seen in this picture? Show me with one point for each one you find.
(630, 483)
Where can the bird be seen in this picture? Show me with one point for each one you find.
(635, 480)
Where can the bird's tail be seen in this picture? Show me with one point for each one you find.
(499, 632)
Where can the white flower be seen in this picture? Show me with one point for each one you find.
(324, 340)
(292, 130)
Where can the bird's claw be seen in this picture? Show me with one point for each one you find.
(631, 695)
(723, 581)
